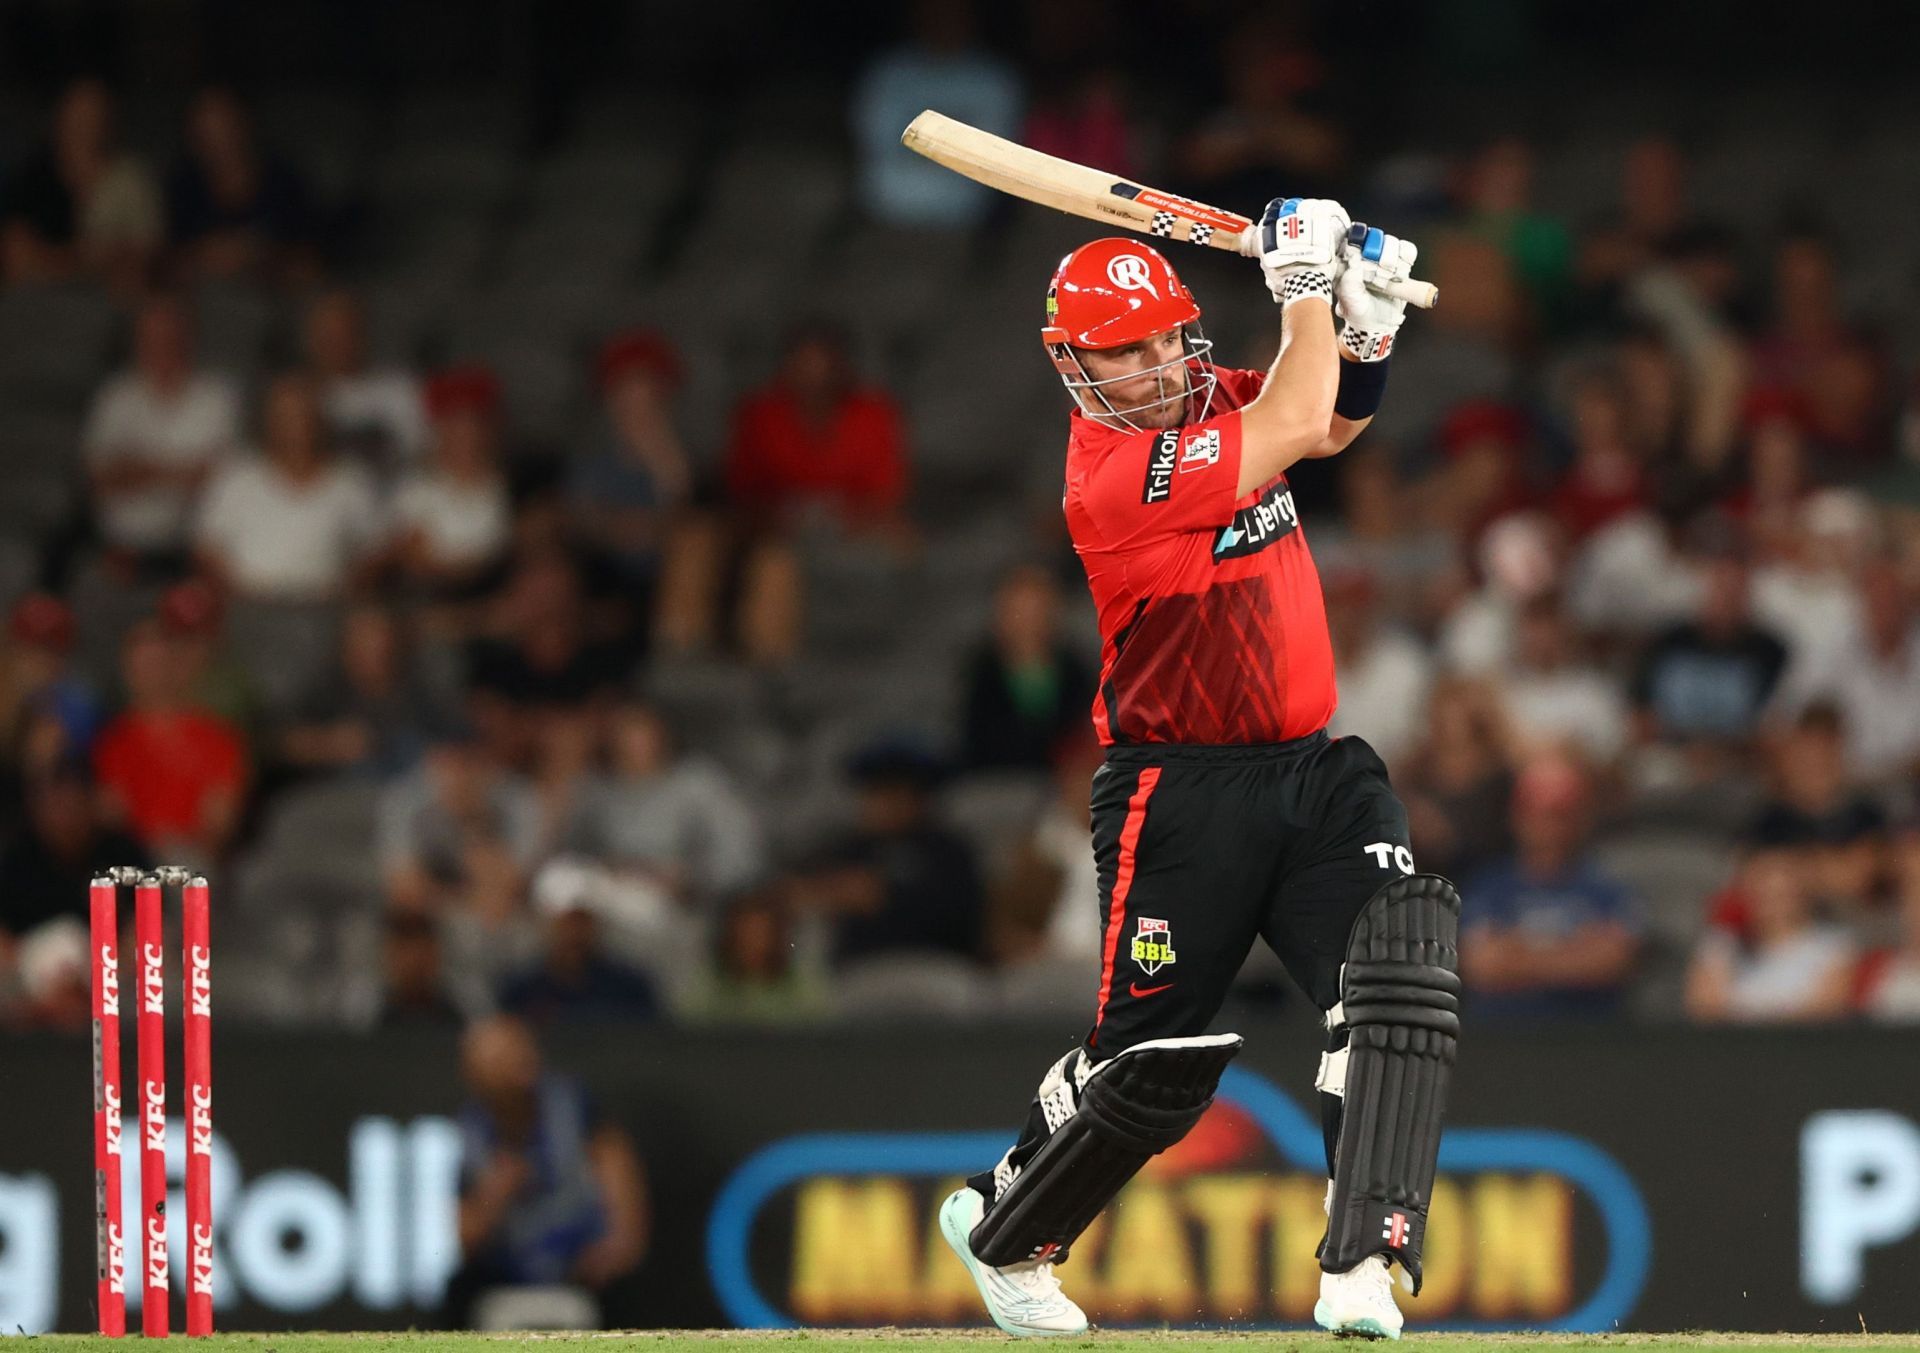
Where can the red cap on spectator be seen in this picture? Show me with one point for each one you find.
(42, 620)
(190, 608)
(1481, 420)
(640, 350)
(472, 388)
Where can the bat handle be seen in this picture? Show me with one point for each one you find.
(1419, 295)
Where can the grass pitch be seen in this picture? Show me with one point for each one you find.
(950, 1341)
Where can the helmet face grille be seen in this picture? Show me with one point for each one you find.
(1091, 397)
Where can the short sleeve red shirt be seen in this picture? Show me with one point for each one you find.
(855, 459)
(1212, 625)
(165, 768)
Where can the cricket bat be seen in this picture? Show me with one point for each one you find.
(1081, 191)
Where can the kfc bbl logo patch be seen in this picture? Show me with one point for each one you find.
(1160, 467)
(1203, 448)
(1152, 945)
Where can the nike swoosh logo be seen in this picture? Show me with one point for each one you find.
(1134, 989)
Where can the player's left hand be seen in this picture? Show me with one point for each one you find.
(1370, 320)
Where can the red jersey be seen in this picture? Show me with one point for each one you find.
(1212, 626)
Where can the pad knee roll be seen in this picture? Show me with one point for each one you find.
(1127, 1110)
(1400, 1002)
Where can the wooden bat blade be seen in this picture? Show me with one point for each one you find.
(1065, 186)
(1035, 176)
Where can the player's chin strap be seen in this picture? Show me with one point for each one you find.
(1400, 1008)
(1102, 1121)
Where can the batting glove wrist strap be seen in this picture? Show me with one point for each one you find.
(1369, 345)
(1362, 386)
(1304, 284)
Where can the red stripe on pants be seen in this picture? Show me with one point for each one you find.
(1122, 885)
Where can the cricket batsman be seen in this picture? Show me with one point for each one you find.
(1224, 812)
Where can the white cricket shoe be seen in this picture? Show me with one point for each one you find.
(1360, 1301)
(1025, 1300)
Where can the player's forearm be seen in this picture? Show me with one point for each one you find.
(1294, 412)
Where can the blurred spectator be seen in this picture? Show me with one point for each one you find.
(897, 883)
(1782, 963)
(1555, 696)
(1385, 673)
(175, 774)
(1519, 563)
(539, 653)
(38, 683)
(576, 979)
(816, 439)
(80, 204)
(941, 66)
(1807, 589)
(193, 617)
(62, 847)
(1887, 983)
(1705, 681)
(1653, 213)
(1497, 193)
(551, 1190)
(1874, 681)
(1456, 786)
(675, 821)
(754, 976)
(375, 415)
(1047, 905)
(414, 995)
(1807, 326)
(624, 498)
(1383, 532)
(233, 210)
(1275, 127)
(814, 447)
(452, 519)
(1548, 932)
(1025, 687)
(152, 438)
(1818, 813)
(458, 831)
(370, 714)
(292, 524)
(52, 973)
(1607, 477)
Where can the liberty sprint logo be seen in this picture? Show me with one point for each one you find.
(1254, 528)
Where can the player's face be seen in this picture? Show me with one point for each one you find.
(1150, 398)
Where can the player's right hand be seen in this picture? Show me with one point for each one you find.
(1300, 240)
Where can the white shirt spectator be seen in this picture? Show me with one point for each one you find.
(687, 823)
(1383, 696)
(289, 542)
(1074, 930)
(1878, 697)
(1626, 578)
(130, 421)
(465, 523)
(376, 416)
(1778, 981)
(1571, 705)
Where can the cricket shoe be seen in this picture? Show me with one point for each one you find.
(1025, 1300)
(1359, 1301)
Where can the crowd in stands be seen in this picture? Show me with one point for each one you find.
(715, 711)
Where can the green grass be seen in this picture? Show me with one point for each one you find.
(950, 1341)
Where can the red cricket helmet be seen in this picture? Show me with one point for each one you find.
(1112, 293)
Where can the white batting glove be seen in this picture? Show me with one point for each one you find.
(1370, 320)
(1300, 243)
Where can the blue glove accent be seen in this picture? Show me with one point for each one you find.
(1356, 234)
(1375, 246)
(1278, 207)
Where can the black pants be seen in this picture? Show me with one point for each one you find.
(1203, 850)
